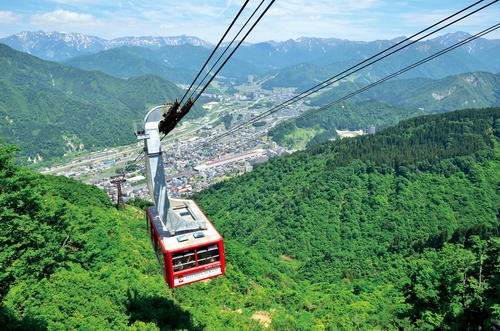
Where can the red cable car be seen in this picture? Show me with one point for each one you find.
(187, 246)
(186, 257)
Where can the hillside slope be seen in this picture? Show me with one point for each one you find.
(46, 107)
(71, 260)
(452, 63)
(126, 62)
(467, 90)
(394, 231)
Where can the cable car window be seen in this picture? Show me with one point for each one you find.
(197, 235)
(182, 238)
(208, 254)
(183, 260)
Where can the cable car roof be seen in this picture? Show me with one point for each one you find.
(190, 211)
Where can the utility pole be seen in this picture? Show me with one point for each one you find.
(118, 180)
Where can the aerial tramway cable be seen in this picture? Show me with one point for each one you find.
(215, 49)
(136, 161)
(227, 48)
(234, 50)
(349, 71)
(129, 167)
(174, 112)
(399, 72)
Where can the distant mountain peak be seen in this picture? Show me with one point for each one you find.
(398, 39)
(69, 44)
(62, 46)
(452, 38)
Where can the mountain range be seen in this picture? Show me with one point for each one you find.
(179, 64)
(60, 105)
(179, 58)
(57, 46)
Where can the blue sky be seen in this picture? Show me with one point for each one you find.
(363, 20)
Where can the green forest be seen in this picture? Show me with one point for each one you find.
(398, 230)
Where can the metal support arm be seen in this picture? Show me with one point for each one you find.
(155, 171)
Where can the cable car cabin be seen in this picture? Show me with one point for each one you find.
(187, 256)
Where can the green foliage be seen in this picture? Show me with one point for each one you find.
(71, 261)
(30, 249)
(454, 288)
(139, 203)
(227, 120)
(259, 124)
(344, 116)
(454, 134)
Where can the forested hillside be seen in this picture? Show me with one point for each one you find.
(48, 109)
(126, 62)
(70, 260)
(394, 231)
(393, 214)
(322, 126)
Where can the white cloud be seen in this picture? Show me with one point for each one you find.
(227, 6)
(8, 17)
(276, 12)
(155, 16)
(64, 18)
(349, 19)
(83, 2)
(167, 26)
(299, 8)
